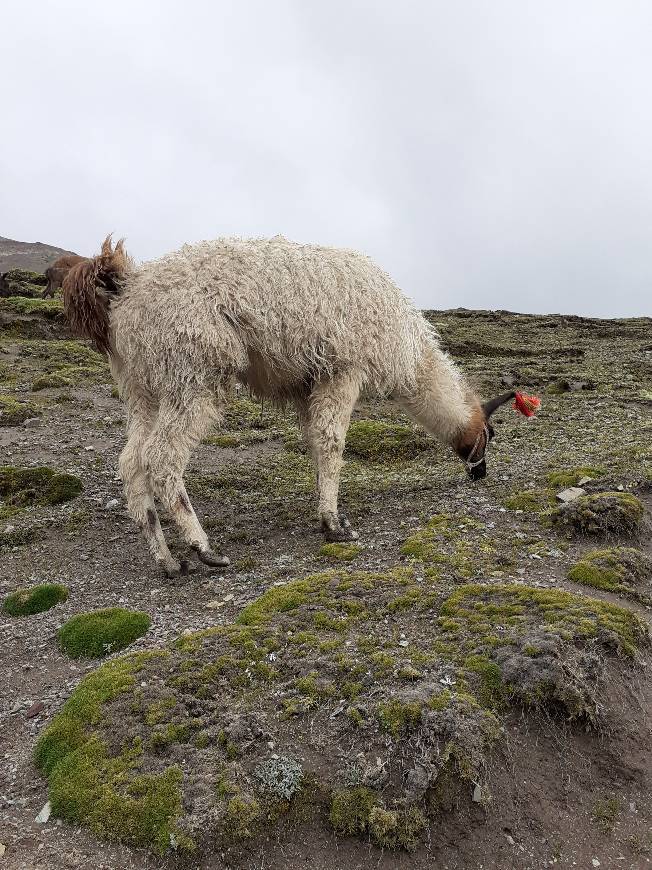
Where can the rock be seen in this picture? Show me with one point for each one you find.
(583, 480)
(31, 423)
(112, 504)
(595, 862)
(477, 794)
(3, 849)
(214, 605)
(44, 815)
(570, 494)
(36, 708)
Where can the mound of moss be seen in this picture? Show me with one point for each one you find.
(171, 749)
(457, 547)
(335, 552)
(101, 632)
(378, 441)
(602, 513)
(50, 309)
(23, 282)
(77, 363)
(617, 569)
(34, 599)
(14, 413)
(54, 379)
(572, 476)
(538, 501)
(20, 487)
(359, 810)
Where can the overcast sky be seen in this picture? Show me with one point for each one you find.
(487, 153)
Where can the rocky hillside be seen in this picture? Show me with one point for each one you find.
(468, 686)
(33, 256)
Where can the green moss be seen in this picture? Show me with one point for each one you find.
(277, 600)
(340, 552)
(54, 379)
(394, 716)
(25, 276)
(41, 485)
(14, 413)
(531, 501)
(491, 691)
(617, 569)
(563, 613)
(51, 309)
(114, 799)
(572, 476)
(34, 599)
(102, 632)
(374, 440)
(351, 808)
(17, 537)
(241, 818)
(602, 513)
(73, 726)
(358, 810)
(396, 829)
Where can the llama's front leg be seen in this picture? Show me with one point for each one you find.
(192, 531)
(140, 503)
(330, 412)
(167, 453)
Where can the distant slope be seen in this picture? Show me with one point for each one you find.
(27, 255)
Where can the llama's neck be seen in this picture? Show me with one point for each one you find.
(441, 400)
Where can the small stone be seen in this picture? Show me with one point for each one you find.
(477, 794)
(112, 504)
(17, 706)
(584, 480)
(595, 862)
(9, 529)
(570, 494)
(89, 447)
(44, 815)
(404, 643)
(36, 708)
(214, 605)
(3, 849)
(228, 597)
(31, 423)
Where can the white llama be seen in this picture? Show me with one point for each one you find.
(300, 323)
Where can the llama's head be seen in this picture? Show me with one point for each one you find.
(472, 445)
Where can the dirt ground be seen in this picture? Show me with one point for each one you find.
(562, 794)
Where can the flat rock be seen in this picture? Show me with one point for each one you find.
(36, 708)
(44, 815)
(570, 494)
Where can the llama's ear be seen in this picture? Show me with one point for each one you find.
(107, 250)
(490, 406)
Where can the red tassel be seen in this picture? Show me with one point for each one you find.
(527, 405)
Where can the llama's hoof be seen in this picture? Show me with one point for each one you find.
(339, 535)
(171, 570)
(208, 557)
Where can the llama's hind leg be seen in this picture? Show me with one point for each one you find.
(167, 453)
(330, 407)
(137, 488)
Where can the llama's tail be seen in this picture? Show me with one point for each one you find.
(88, 289)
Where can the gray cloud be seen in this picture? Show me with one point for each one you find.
(487, 154)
